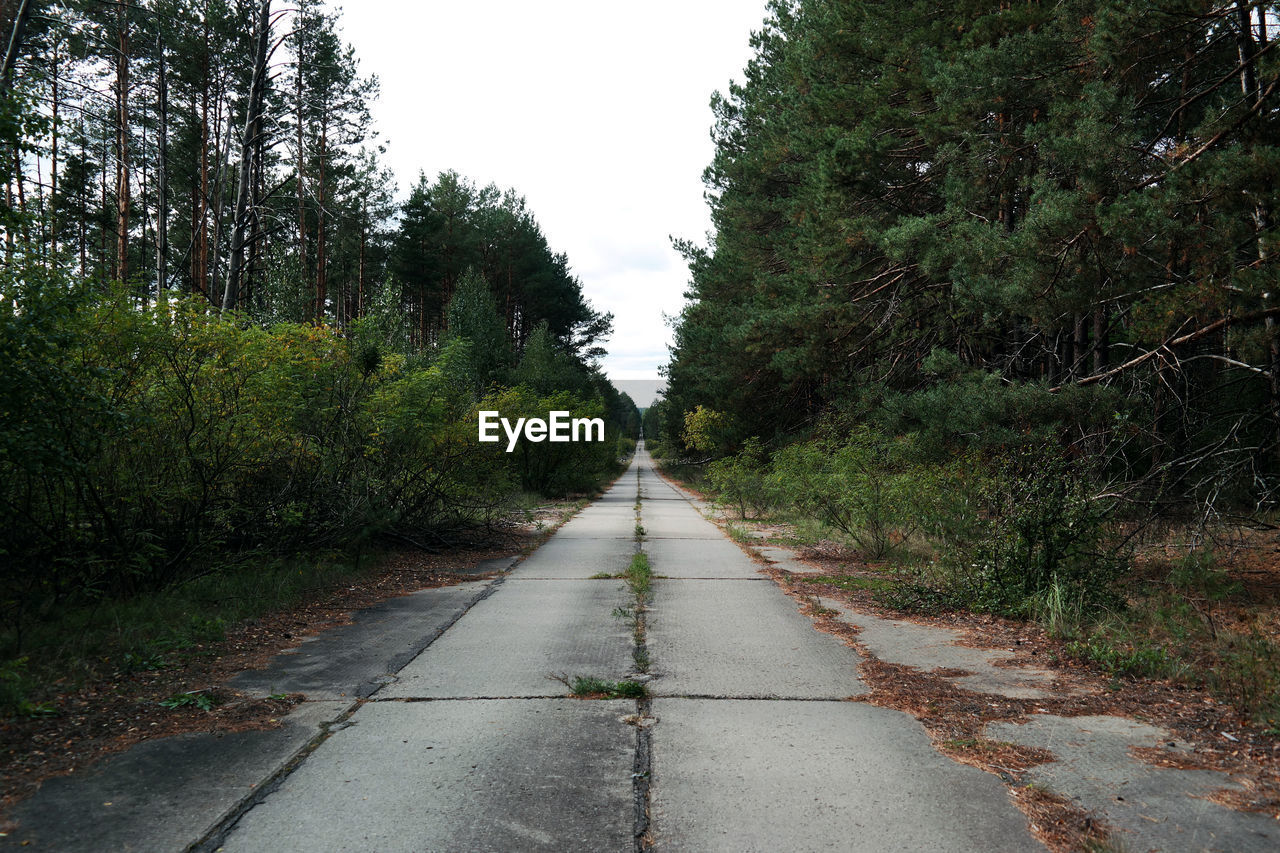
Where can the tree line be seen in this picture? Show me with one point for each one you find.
(223, 337)
(991, 286)
(998, 220)
(225, 149)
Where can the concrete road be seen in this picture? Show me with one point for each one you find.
(753, 749)
(439, 724)
(475, 746)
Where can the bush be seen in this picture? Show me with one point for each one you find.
(1037, 538)
(743, 481)
(708, 431)
(863, 487)
(555, 468)
(140, 450)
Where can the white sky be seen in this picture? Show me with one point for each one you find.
(595, 111)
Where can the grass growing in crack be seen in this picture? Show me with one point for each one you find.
(589, 687)
(639, 530)
(639, 576)
(600, 576)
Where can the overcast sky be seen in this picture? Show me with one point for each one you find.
(595, 111)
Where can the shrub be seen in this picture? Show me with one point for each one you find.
(743, 481)
(863, 487)
(1038, 535)
(708, 431)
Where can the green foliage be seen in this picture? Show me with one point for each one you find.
(1248, 674)
(1131, 660)
(1198, 574)
(708, 431)
(962, 224)
(555, 468)
(16, 685)
(1170, 630)
(639, 576)
(1039, 539)
(451, 230)
(473, 317)
(158, 630)
(743, 481)
(587, 686)
(191, 699)
(141, 448)
(864, 487)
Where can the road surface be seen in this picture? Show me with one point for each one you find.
(442, 721)
(747, 744)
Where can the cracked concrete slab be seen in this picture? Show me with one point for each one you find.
(928, 647)
(793, 775)
(511, 642)
(735, 638)
(597, 522)
(495, 775)
(677, 522)
(1151, 808)
(700, 558)
(163, 794)
(571, 558)
(352, 660)
(786, 559)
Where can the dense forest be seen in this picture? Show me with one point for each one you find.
(999, 273)
(224, 338)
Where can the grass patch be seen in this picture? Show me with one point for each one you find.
(639, 576)
(76, 645)
(1122, 659)
(1190, 622)
(602, 576)
(589, 687)
(853, 582)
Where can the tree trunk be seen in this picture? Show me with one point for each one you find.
(15, 45)
(248, 144)
(321, 281)
(53, 166)
(360, 269)
(122, 143)
(162, 180)
(223, 152)
(1247, 49)
(104, 267)
(200, 251)
(301, 165)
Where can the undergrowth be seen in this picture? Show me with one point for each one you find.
(167, 628)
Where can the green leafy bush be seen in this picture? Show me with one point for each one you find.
(141, 449)
(742, 481)
(863, 487)
(1037, 535)
(708, 431)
